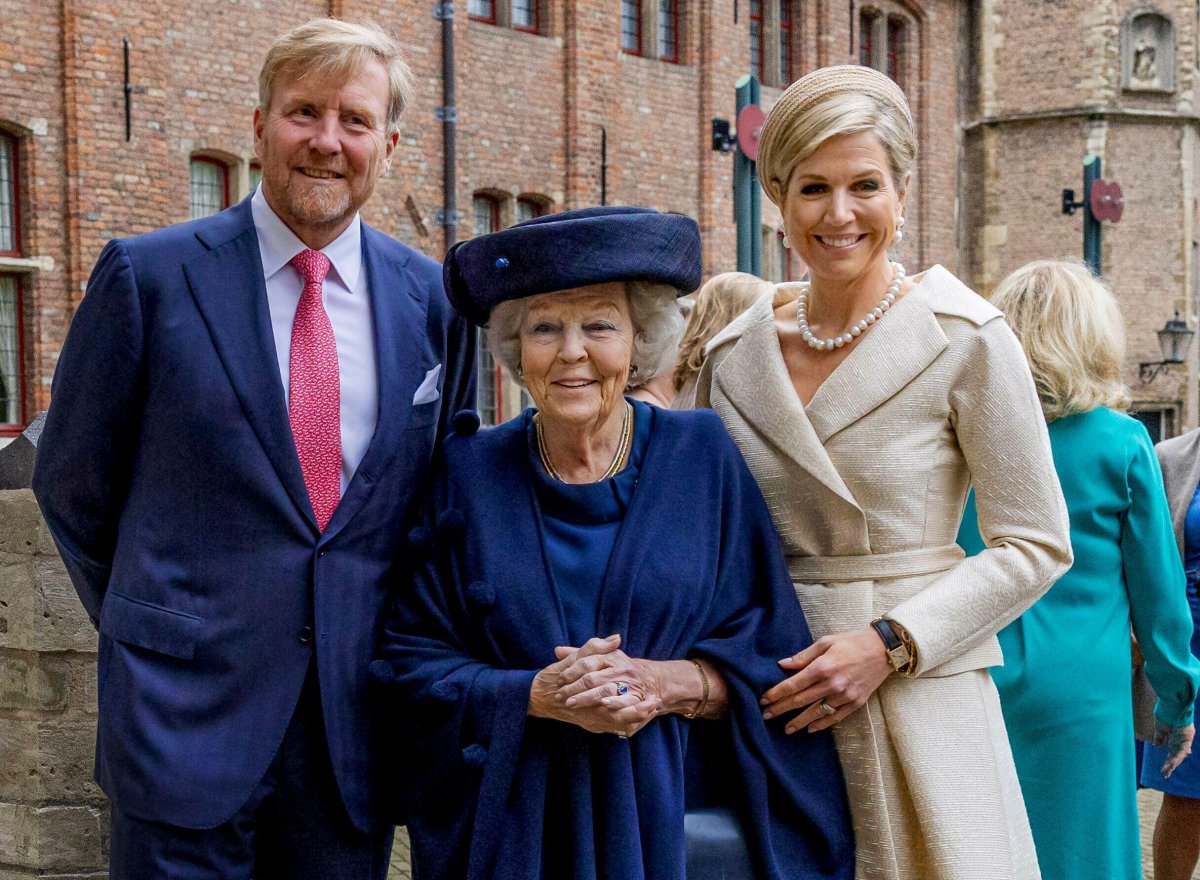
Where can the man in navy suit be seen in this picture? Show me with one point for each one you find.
(243, 417)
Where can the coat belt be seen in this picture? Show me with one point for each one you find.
(873, 567)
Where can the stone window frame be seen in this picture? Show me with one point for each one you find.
(196, 160)
(886, 33)
(769, 43)
(1168, 78)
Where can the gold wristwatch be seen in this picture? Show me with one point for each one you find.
(899, 649)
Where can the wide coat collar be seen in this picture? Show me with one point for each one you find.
(753, 376)
(229, 289)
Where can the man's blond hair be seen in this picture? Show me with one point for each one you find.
(337, 50)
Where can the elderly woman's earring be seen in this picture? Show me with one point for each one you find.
(633, 370)
(899, 230)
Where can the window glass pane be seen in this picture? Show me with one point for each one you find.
(666, 29)
(485, 382)
(10, 353)
(524, 13)
(756, 37)
(8, 196)
(208, 189)
(485, 216)
(480, 9)
(631, 25)
(527, 210)
(864, 40)
(785, 41)
(255, 176)
(895, 38)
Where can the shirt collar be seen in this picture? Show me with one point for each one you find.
(277, 244)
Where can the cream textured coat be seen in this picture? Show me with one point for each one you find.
(866, 486)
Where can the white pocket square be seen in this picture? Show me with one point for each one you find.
(428, 391)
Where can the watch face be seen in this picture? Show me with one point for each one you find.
(899, 657)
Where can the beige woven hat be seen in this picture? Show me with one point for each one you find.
(805, 94)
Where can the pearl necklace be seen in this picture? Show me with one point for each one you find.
(617, 462)
(889, 299)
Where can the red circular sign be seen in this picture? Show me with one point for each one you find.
(749, 130)
(1107, 201)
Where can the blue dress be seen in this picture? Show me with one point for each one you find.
(679, 556)
(1066, 683)
(1185, 781)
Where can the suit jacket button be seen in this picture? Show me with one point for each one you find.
(305, 635)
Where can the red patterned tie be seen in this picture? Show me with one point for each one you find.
(314, 390)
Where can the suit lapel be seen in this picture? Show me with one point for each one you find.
(398, 313)
(754, 379)
(227, 284)
(894, 352)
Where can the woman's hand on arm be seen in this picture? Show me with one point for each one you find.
(841, 670)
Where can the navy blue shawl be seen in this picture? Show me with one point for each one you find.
(696, 571)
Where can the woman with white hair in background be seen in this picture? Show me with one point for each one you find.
(866, 402)
(584, 608)
(1065, 686)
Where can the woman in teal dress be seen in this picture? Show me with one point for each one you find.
(1066, 685)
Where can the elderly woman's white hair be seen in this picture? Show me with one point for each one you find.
(657, 326)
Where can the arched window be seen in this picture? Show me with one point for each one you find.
(866, 37)
(210, 187)
(882, 42)
(529, 207)
(785, 42)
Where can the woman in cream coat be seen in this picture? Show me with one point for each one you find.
(867, 405)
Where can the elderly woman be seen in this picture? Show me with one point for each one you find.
(586, 607)
(1065, 686)
(866, 403)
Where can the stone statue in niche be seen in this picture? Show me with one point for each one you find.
(1148, 52)
(1144, 70)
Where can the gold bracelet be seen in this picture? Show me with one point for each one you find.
(704, 693)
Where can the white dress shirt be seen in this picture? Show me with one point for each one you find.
(347, 302)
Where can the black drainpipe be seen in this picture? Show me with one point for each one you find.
(448, 114)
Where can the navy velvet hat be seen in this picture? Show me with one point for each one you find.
(572, 249)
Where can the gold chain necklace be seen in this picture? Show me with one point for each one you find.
(618, 461)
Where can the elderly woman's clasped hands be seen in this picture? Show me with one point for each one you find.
(603, 690)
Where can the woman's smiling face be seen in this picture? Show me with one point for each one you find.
(841, 207)
(576, 347)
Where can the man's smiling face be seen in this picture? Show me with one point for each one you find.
(323, 145)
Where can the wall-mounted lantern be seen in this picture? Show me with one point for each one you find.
(1174, 340)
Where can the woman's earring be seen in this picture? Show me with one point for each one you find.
(520, 372)
(633, 370)
(787, 245)
(899, 230)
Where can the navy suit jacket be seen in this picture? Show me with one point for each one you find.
(169, 478)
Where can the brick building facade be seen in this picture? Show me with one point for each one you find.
(1008, 95)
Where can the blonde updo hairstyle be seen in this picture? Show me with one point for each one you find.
(828, 103)
(1071, 329)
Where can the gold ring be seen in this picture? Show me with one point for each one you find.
(826, 708)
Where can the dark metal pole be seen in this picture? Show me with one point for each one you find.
(603, 166)
(128, 95)
(449, 116)
(747, 198)
(1091, 225)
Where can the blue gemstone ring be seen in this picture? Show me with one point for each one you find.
(622, 689)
